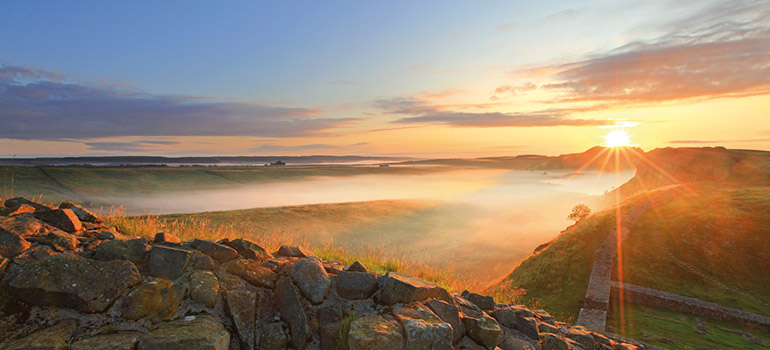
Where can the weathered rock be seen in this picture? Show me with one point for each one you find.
(357, 267)
(374, 333)
(506, 342)
(424, 330)
(251, 272)
(60, 241)
(63, 219)
(484, 330)
(16, 202)
(202, 261)
(115, 341)
(356, 285)
(12, 245)
(24, 208)
(297, 252)
(250, 250)
(292, 312)
(311, 278)
(241, 309)
(3, 265)
(482, 301)
(552, 342)
(156, 300)
(24, 226)
(107, 234)
(33, 254)
(218, 252)
(547, 328)
(468, 344)
(513, 318)
(544, 316)
(67, 280)
(203, 332)
(83, 214)
(527, 326)
(402, 288)
(56, 337)
(581, 337)
(204, 288)
(448, 313)
(163, 237)
(329, 319)
(133, 250)
(272, 337)
(167, 262)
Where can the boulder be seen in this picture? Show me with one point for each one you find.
(482, 301)
(202, 261)
(297, 252)
(132, 250)
(468, 344)
(24, 208)
(581, 337)
(24, 226)
(115, 341)
(251, 272)
(12, 245)
(163, 237)
(35, 253)
(528, 326)
(311, 278)
(201, 332)
(155, 300)
(56, 337)
(329, 320)
(292, 312)
(67, 280)
(552, 342)
(374, 333)
(448, 313)
(484, 330)
(240, 306)
(83, 214)
(547, 328)
(423, 329)
(250, 250)
(507, 342)
(402, 288)
(167, 262)
(60, 241)
(216, 251)
(204, 288)
(272, 337)
(357, 267)
(356, 285)
(16, 202)
(63, 219)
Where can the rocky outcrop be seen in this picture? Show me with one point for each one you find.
(96, 288)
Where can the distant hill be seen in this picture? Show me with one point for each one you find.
(152, 160)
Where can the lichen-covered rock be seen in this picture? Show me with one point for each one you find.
(484, 330)
(216, 251)
(552, 342)
(250, 250)
(356, 285)
(292, 251)
(402, 288)
(448, 313)
(12, 245)
(83, 214)
(56, 337)
(35, 253)
(374, 333)
(201, 332)
(290, 307)
(63, 219)
(204, 288)
(167, 262)
(272, 337)
(133, 250)
(424, 330)
(251, 272)
(202, 261)
(311, 278)
(156, 300)
(67, 280)
(240, 306)
(114, 341)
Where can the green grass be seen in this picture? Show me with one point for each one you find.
(672, 330)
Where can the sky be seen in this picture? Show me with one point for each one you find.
(399, 78)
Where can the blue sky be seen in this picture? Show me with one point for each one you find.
(324, 69)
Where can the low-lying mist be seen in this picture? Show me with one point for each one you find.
(482, 222)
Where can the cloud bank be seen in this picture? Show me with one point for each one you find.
(36, 104)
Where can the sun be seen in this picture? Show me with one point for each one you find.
(616, 138)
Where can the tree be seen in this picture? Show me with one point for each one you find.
(579, 212)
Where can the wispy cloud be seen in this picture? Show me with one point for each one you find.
(271, 147)
(135, 146)
(36, 104)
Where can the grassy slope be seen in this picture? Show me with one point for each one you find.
(85, 184)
